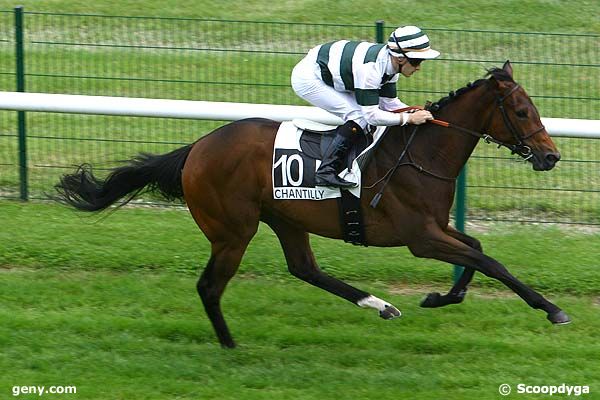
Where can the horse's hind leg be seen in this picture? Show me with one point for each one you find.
(301, 263)
(458, 292)
(229, 229)
(221, 267)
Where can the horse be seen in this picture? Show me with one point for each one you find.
(225, 179)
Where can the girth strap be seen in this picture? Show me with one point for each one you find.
(353, 229)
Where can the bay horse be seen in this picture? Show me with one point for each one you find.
(225, 179)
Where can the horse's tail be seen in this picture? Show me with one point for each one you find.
(156, 173)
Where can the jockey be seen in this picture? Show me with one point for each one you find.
(357, 82)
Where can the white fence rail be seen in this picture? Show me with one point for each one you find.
(142, 107)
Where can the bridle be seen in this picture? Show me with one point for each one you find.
(519, 148)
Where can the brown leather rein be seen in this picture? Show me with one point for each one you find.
(519, 148)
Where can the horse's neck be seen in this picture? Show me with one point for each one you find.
(445, 150)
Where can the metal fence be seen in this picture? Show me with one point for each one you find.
(250, 61)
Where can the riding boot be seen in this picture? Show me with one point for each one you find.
(327, 174)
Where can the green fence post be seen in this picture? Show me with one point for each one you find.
(460, 211)
(379, 26)
(21, 114)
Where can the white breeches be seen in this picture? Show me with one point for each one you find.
(309, 86)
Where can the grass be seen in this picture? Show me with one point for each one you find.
(529, 15)
(144, 335)
(538, 255)
(110, 305)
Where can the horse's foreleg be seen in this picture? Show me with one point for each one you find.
(458, 292)
(302, 264)
(441, 246)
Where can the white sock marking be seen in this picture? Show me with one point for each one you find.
(373, 302)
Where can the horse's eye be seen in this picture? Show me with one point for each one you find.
(522, 113)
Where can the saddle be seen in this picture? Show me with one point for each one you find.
(317, 137)
(314, 140)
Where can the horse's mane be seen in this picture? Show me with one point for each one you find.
(497, 73)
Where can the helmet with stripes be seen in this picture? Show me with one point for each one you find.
(410, 42)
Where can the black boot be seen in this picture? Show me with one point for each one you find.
(327, 174)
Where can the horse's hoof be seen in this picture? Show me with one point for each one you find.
(432, 300)
(559, 318)
(390, 312)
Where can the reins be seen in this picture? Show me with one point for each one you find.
(519, 148)
(388, 175)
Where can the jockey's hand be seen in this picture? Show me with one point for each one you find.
(419, 117)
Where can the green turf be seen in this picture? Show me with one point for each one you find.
(549, 258)
(110, 306)
(144, 335)
(529, 15)
(111, 302)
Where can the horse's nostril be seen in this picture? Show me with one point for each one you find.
(552, 158)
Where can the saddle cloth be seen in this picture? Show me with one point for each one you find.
(297, 155)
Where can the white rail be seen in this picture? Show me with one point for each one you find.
(142, 107)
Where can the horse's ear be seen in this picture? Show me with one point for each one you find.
(508, 68)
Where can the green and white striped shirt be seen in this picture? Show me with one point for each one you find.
(360, 67)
